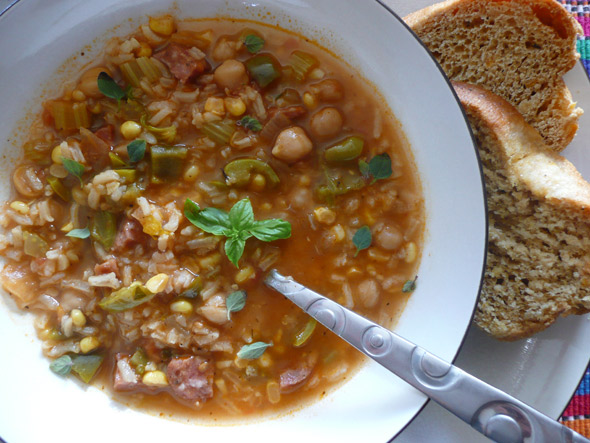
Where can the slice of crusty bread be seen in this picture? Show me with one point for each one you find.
(538, 262)
(518, 49)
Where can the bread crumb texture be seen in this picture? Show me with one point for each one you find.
(518, 49)
(538, 262)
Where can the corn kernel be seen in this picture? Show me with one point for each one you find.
(96, 109)
(338, 233)
(215, 106)
(273, 392)
(78, 317)
(378, 255)
(220, 383)
(245, 274)
(265, 360)
(79, 196)
(258, 183)
(304, 180)
(324, 215)
(191, 174)
(184, 307)
(210, 261)
(157, 283)
(152, 226)
(411, 252)
(88, 344)
(235, 106)
(144, 50)
(162, 25)
(58, 170)
(78, 95)
(56, 154)
(67, 227)
(369, 219)
(309, 100)
(130, 129)
(266, 206)
(317, 74)
(20, 207)
(155, 378)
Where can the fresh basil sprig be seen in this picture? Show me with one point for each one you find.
(79, 233)
(410, 285)
(250, 123)
(379, 167)
(253, 43)
(253, 351)
(235, 302)
(109, 87)
(73, 167)
(136, 150)
(362, 239)
(237, 225)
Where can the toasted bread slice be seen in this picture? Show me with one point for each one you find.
(518, 49)
(538, 262)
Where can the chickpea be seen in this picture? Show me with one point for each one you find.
(389, 238)
(329, 90)
(368, 293)
(27, 181)
(292, 144)
(224, 50)
(230, 74)
(326, 123)
(88, 82)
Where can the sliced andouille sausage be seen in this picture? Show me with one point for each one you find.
(182, 63)
(107, 267)
(130, 234)
(125, 377)
(191, 378)
(292, 379)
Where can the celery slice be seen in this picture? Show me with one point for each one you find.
(131, 72)
(59, 188)
(220, 132)
(150, 71)
(103, 228)
(302, 63)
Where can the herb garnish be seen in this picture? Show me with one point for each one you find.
(253, 351)
(61, 366)
(250, 123)
(235, 302)
(79, 233)
(136, 150)
(410, 285)
(253, 43)
(362, 239)
(238, 226)
(73, 167)
(109, 87)
(379, 167)
(85, 366)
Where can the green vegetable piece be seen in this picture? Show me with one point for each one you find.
(264, 69)
(239, 172)
(250, 123)
(74, 168)
(167, 163)
(220, 132)
(62, 365)
(136, 150)
(126, 298)
(339, 183)
(302, 64)
(253, 351)
(138, 361)
(128, 175)
(303, 336)
(59, 188)
(34, 245)
(79, 233)
(235, 302)
(380, 167)
(362, 239)
(103, 228)
(345, 150)
(86, 366)
(116, 161)
(194, 289)
(109, 87)
(288, 97)
(166, 134)
(253, 43)
(410, 285)
(54, 334)
(364, 169)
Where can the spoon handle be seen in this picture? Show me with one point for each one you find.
(490, 411)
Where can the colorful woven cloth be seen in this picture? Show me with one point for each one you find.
(577, 413)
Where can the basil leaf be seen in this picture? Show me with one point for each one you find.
(235, 302)
(253, 351)
(362, 239)
(109, 87)
(61, 366)
(234, 248)
(253, 43)
(73, 167)
(410, 285)
(250, 123)
(364, 168)
(191, 210)
(241, 215)
(79, 233)
(270, 230)
(380, 167)
(136, 150)
(211, 220)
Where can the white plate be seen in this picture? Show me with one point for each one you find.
(37, 35)
(543, 371)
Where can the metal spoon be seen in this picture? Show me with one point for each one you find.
(488, 410)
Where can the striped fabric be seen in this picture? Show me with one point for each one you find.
(577, 413)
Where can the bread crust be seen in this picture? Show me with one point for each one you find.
(518, 49)
(539, 220)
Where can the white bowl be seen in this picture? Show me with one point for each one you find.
(37, 36)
